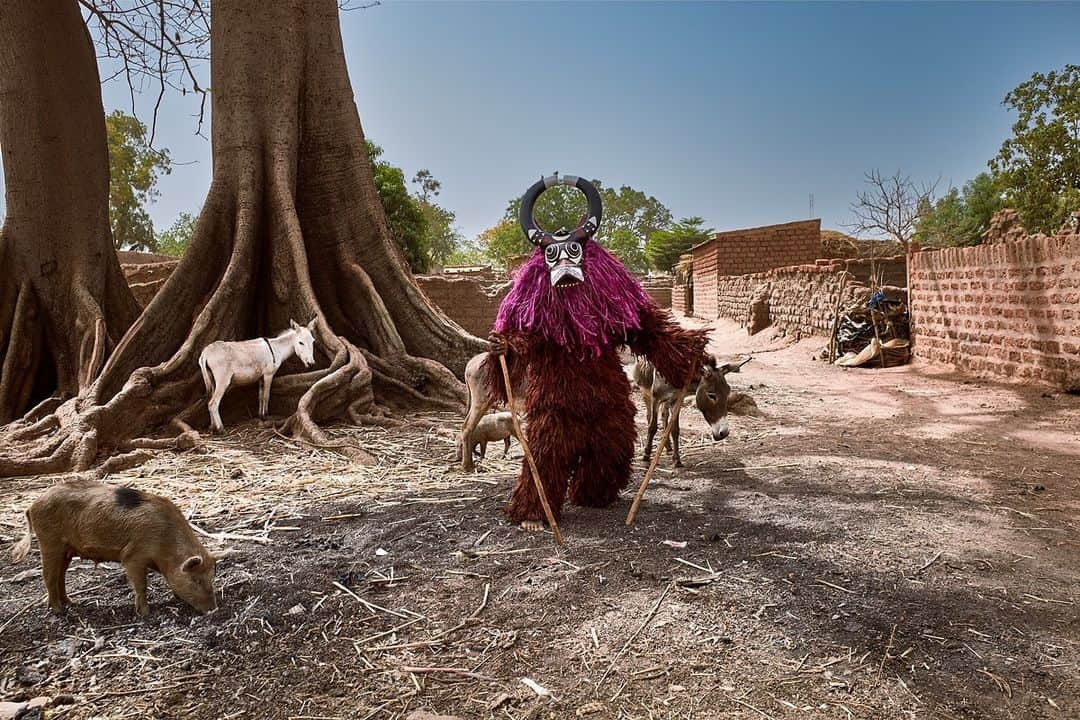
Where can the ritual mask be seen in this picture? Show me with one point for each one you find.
(564, 252)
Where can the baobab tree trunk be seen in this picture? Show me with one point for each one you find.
(292, 228)
(64, 303)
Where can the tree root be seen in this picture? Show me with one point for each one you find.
(291, 228)
(353, 452)
(125, 461)
(36, 430)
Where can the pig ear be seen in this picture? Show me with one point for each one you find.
(191, 563)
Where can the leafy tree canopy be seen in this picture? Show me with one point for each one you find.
(443, 238)
(175, 240)
(630, 216)
(504, 242)
(1039, 166)
(960, 217)
(468, 253)
(404, 215)
(665, 246)
(134, 168)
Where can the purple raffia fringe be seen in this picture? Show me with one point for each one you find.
(585, 318)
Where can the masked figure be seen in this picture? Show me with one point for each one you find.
(573, 305)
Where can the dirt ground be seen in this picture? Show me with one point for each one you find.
(879, 544)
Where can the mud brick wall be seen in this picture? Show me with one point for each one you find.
(659, 290)
(682, 285)
(471, 303)
(1010, 309)
(803, 298)
(661, 295)
(705, 280)
(754, 250)
(679, 299)
(145, 274)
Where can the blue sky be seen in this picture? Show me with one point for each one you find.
(735, 112)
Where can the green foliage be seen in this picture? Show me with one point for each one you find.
(1039, 166)
(406, 219)
(630, 216)
(442, 238)
(467, 253)
(960, 218)
(628, 247)
(134, 168)
(504, 242)
(176, 239)
(665, 246)
(558, 208)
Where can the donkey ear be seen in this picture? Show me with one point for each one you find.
(736, 367)
(191, 563)
(311, 325)
(293, 325)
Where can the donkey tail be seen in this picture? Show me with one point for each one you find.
(21, 548)
(207, 376)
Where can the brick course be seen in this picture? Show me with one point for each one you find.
(470, 302)
(146, 273)
(803, 298)
(1009, 309)
(753, 250)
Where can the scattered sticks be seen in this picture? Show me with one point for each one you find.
(461, 672)
(888, 647)
(629, 640)
(826, 583)
(929, 562)
(747, 705)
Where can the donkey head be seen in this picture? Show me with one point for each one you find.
(712, 395)
(304, 341)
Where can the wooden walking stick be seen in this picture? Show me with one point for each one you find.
(632, 515)
(528, 453)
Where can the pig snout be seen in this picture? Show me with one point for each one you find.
(202, 601)
(194, 583)
(207, 605)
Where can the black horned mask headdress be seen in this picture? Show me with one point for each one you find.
(563, 252)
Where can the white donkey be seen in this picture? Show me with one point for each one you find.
(246, 362)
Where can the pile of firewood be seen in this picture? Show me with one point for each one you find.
(873, 329)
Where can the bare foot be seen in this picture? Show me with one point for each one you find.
(532, 525)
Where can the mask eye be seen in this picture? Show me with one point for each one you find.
(573, 249)
(551, 253)
(712, 397)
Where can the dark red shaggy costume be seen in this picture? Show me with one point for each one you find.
(563, 342)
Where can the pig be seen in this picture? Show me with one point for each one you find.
(139, 530)
(491, 428)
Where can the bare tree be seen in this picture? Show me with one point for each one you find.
(891, 206)
(157, 43)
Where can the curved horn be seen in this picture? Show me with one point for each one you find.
(596, 205)
(528, 202)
